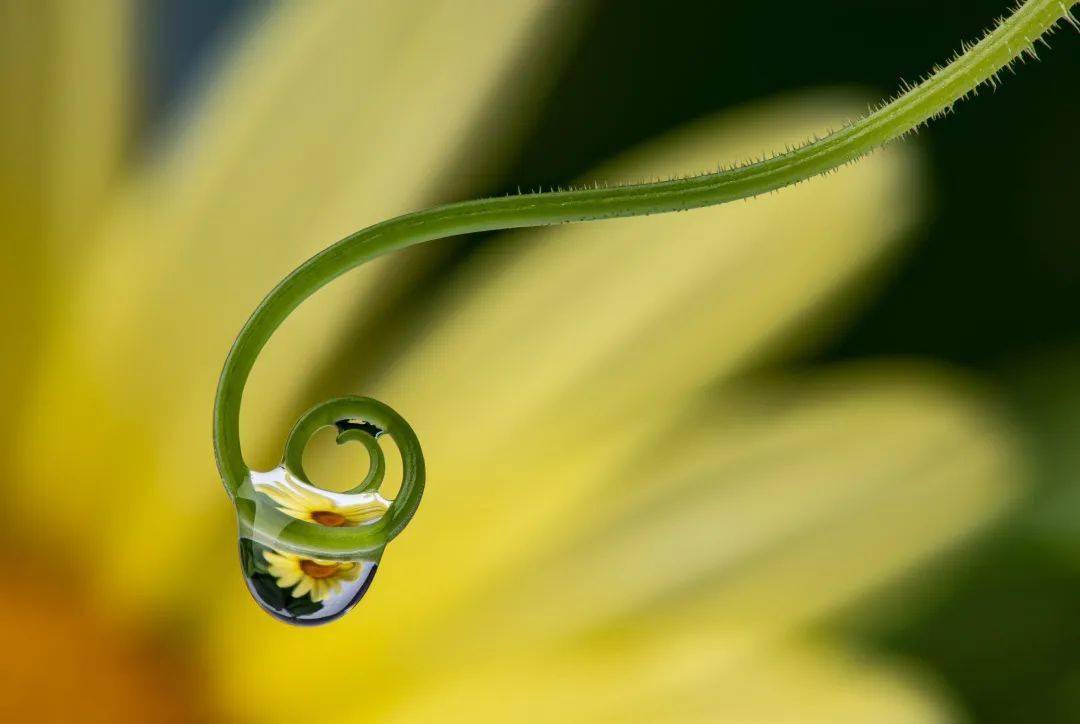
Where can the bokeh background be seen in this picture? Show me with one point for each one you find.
(811, 457)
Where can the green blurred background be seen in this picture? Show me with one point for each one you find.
(986, 286)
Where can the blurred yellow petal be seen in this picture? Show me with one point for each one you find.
(775, 509)
(320, 123)
(778, 506)
(66, 661)
(91, 89)
(64, 66)
(603, 333)
(69, 65)
(683, 678)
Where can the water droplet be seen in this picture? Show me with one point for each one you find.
(301, 590)
(296, 587)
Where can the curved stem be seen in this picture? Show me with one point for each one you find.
(979, 63)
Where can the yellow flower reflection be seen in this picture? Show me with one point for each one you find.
(306, 503)
(313, 576)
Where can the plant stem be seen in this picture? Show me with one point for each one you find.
(979, 63)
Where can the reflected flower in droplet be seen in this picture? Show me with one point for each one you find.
(297, 587)
(305, 502)
(301, 589)
(312, 576)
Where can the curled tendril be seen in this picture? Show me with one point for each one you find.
(362, 420)
(357, 419)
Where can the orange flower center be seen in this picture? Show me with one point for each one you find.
(328, 518)
(318, 570)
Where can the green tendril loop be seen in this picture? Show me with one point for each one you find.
(1010, 40)
(346, 414)
(359, 419)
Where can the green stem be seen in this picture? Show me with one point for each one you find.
(979, 63)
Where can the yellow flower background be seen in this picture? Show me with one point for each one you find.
(635, 510)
